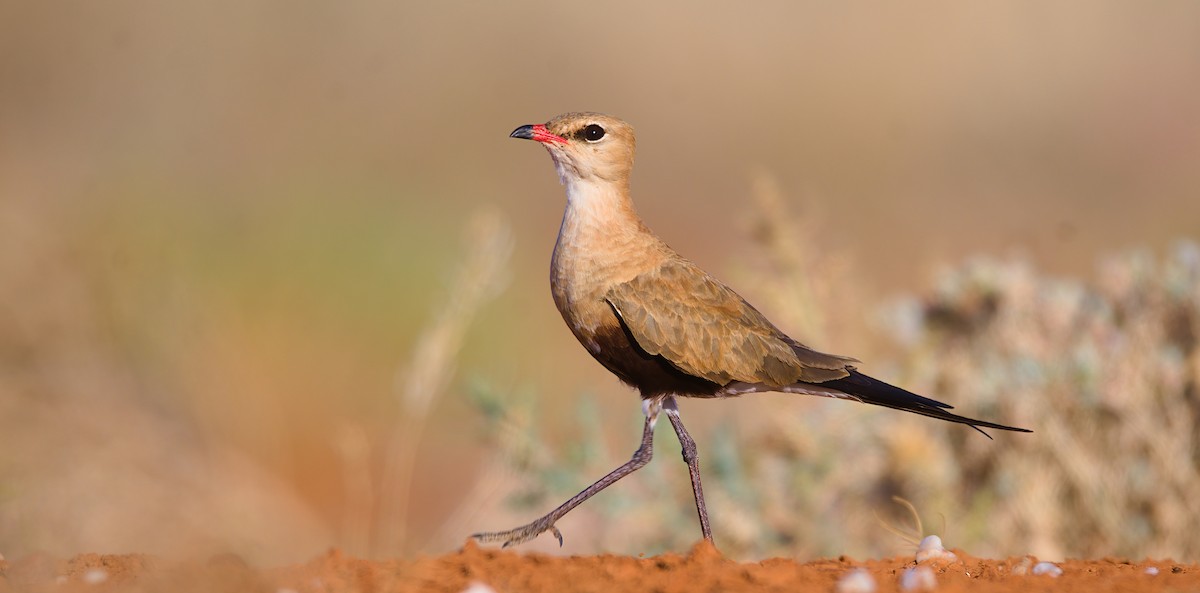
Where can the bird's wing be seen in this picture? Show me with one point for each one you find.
(705, 329)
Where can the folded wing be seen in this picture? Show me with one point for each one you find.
(707, 330)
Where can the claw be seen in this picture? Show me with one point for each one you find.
(519, 535)
(484, 537)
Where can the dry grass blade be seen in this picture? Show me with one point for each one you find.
(911, 535)
(482, 275)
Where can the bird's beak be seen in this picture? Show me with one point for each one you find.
(537, 132)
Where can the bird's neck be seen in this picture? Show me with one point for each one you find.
(602, 237)
(597, 207)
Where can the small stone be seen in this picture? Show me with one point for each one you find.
(931, 549)
(1151, 570)
(1023, 567)
(918, 578)
(95, 576)
(478, 587)
(856, 581)
(1049, 568)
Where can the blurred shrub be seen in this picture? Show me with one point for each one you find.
(1105, 373)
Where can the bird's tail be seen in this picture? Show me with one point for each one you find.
(873, 391)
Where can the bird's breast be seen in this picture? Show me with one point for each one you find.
(588, 261)
(593, 253)
(578, 287)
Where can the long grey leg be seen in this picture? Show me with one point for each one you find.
(692, 458)
(640, 458)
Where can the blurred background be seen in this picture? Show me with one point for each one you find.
(273, 278)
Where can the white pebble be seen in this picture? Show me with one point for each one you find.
(1151, 570)
(919, 578)
(931, 549)
(478, 587)
(931, 542)
(95, 576)
(1049, 568)
(856, 581)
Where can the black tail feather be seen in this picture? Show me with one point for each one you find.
(873, 391)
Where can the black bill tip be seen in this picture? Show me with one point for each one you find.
(524, 132)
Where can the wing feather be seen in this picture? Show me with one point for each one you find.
(707, 330)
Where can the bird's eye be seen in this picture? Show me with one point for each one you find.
(593, 133)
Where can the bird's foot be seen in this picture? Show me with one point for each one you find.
(521, 534)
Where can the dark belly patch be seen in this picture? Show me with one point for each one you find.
(650, 374)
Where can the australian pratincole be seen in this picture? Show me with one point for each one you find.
(660, 323)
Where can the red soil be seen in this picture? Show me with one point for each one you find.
(703, 569)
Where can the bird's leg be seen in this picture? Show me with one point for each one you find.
(692, 459)
(640, 457)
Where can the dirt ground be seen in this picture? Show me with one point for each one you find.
(480, 570)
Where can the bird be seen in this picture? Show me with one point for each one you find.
(661, 324)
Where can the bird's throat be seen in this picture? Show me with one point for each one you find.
(599, 202)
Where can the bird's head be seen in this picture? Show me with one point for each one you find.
(589, 147)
